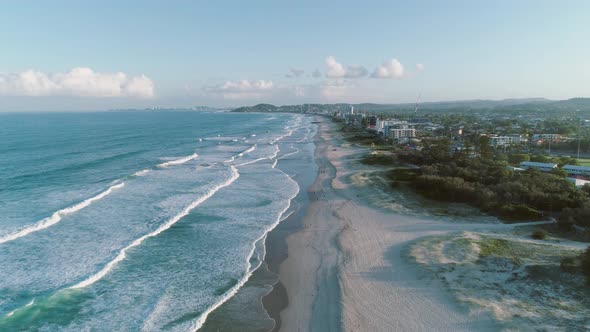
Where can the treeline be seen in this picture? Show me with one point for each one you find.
(489, 185)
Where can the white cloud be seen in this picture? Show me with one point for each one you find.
(316, 74)
(335, 88)
(419, 67)
(82, 82)
(337, 70)
(391, 68)
(241, 89)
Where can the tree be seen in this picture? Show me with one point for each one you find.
(516, 159)
(562, 161)
(562, 173)
(539, 158)
(484, 147)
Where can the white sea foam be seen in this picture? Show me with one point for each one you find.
(273, 156)
(122, 254)
(289, 133)
(253, 161)
(289, 154)
(250, 149)
(274, 164)
(249, 270)
(142, 172)
(57, 216)
(15, 310)
(179, 161)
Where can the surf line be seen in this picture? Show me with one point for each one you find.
(252, 148)
(178, 161)
(122, 254)
(57, 216)
(200, 321)
(241, 154)
(271, 157)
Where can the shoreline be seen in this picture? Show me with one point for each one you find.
(344, 261)
(345, 270)
(258, 303)
(310, 271)
(277, 300)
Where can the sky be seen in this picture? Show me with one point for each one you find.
(92, 55)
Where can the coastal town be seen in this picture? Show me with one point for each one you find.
(524, 145)
(518, 160)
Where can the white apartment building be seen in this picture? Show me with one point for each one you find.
(500, 141)
(398, 133)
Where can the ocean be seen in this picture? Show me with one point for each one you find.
(126, 221)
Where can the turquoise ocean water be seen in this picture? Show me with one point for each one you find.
(115, 221)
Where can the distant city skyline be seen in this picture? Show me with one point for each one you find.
(66, 55)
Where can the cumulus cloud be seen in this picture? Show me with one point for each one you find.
(81, 82)
(337, 70)
(391, 68)
(419, 67)
(241, 89)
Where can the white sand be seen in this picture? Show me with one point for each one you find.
(347, 269)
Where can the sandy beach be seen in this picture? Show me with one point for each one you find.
(346, 269)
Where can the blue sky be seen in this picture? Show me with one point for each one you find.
(62, 55)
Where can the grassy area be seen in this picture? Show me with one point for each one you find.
(584, 162)
(379, 159)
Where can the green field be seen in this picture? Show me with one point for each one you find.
(584, 162)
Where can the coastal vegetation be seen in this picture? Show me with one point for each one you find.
(515, 279)
(488, 184)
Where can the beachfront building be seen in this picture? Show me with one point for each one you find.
(543, 167)
(382, 125)
(372, 122)
(354, 120)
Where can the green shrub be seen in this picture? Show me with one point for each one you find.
(403, 174)
(378, 159)
(519, 212)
